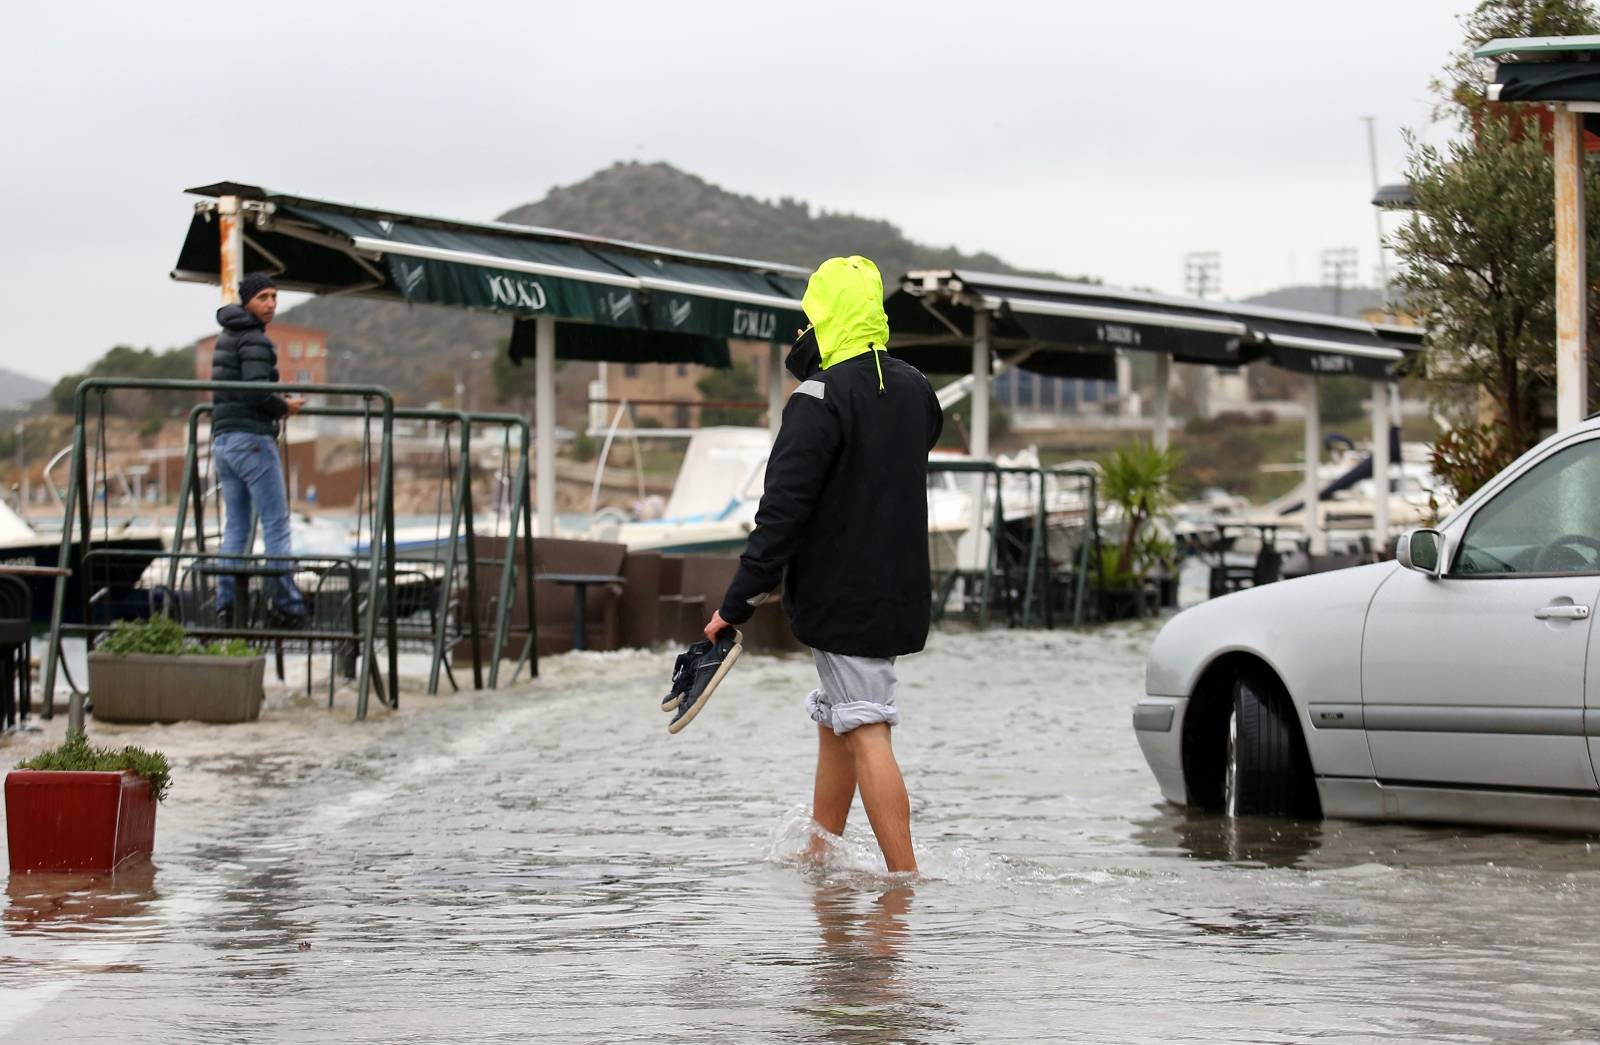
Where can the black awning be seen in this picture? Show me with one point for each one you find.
(647, 304)
(1074, 329)
(1546, 82)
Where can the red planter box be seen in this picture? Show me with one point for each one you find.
(60, 821)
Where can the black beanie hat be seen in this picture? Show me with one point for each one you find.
(252, 285)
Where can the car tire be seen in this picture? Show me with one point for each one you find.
(1266, 771)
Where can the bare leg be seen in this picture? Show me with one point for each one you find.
(883, 792)
(835, 787)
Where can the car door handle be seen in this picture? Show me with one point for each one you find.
(1563, 611)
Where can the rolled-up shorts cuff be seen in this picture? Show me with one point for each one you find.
(855, 692)
(842, 718)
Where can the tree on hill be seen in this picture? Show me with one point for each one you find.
(734, 385)
(125, 361)
(1477, 254)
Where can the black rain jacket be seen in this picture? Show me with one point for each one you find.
(843, 520)
(244, 353)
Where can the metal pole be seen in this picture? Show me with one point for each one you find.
(1124, 385)
(1571, 344)
(1380, 469)
(1313, 504)
(774, 389)
(458, 510)
(1161, 435)
(230, 236)
(544, 380)
(980, 383)
(53, 652)
(978, 447)
(1377, 215)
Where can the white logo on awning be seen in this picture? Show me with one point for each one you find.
(386, 226)
(678, 312)
(517, 293)
(1118, 334)
(1331, 364)
(747, 322)
(619, 306)
(411, 278)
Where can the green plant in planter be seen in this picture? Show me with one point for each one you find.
(163, 636)
(1138, 480)
(75, 754)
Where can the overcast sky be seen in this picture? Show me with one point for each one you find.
(1094, 138)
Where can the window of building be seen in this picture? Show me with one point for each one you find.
(294, 350)
(302, 377)
(630, 370)
(683, 369)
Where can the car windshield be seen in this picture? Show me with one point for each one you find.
(1547, 521)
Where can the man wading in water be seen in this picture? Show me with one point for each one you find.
(843, 528)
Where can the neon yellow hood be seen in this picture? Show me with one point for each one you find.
(844, 301)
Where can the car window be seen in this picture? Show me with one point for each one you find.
(1548, 521)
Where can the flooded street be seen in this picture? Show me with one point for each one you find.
(546, 863)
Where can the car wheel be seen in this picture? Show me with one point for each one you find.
(1267, 772)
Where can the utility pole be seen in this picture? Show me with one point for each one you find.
(1338, 272)
(1202, 273)
(1202, 278)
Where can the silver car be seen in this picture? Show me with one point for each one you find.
(1456, 684)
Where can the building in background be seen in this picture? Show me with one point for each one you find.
(664, 394)
(302, 354)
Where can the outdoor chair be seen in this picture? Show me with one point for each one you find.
(16, 652)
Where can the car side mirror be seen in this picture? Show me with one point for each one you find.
(1423, 550)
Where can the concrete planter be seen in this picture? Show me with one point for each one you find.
(141, 687)
(67, 821)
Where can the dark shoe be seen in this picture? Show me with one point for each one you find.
(224, 616)
(282, 620)
(683, 674)
(709, 671)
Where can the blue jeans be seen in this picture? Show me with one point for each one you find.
(247, 466)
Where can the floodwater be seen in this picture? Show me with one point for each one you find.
(547, 863)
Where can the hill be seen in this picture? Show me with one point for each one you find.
(419, 350)
(1351, 302)
(19, 389)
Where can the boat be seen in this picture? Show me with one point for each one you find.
(133, 547)
(713, 504)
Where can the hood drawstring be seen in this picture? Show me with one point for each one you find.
(875, 350)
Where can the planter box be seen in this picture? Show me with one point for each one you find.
(62, 821)
(140, 687)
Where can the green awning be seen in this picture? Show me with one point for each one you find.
(613, 300)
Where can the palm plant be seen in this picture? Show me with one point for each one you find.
(1138, 479)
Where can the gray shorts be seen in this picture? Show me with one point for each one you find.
(855, 691)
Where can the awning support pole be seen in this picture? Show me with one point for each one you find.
(978, 447)
(1313, 503)
(544, 404)
(1571, 344)
(1381, 415)
(980, 383)
(231, 238)
(1163, 404)
(774, 388)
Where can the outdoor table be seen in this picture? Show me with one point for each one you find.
(20, 570)
(580, 597)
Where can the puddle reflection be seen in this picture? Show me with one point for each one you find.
(1258, 841)
(858, 983)
(49, 901)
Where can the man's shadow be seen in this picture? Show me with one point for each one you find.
(859, 992)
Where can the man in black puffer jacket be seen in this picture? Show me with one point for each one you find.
(244, 430)
(843, 529)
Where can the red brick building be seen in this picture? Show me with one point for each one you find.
(302, 354)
